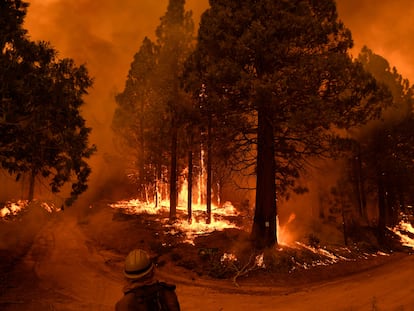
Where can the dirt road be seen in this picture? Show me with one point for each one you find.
(72, 274)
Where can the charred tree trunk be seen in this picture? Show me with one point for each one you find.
(392, 205)
(158, 177)
(264, 223)
(381, 208)
(142, 181)
(209, 170)
(173, 172)
(359, 187)
(190, 186)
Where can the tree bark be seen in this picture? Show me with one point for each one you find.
(381, 208)
(190, 186)
(264, 224)
(209, 171)
(173, 173)
(142, 179)
(359, 187)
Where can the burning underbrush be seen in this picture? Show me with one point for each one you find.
(223, 250)
(223, 217)
(12, 210)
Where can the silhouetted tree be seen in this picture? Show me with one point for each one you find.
(284, 67)
(387, 145)
(41, 129)
(153, 109)
(174, 39)
(132, 118)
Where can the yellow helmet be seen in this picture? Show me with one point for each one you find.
(138, 264)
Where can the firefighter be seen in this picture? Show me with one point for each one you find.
(143, 291)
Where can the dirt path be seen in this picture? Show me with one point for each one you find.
(389, 287)
(71, 274)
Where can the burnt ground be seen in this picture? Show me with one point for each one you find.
(291, 266)
(72, 260)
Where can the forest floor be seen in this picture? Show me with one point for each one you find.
(73, 260)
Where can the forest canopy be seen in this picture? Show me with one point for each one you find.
(42, 131)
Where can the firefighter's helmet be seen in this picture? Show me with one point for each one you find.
(138, 264)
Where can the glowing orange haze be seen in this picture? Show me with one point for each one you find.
(106, 34)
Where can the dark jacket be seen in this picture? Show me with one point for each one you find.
(156, 296)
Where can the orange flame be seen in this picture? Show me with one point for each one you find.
(13, 208)
(284, 237)
(401, 229)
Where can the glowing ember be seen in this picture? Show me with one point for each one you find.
(330, 258)
(192, 229)
(13, 208)
(49, 207)
(403, 230)
(228, 257)
(195, 228)
(135, 207)
(259, 261)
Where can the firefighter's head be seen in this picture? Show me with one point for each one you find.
(138, 265)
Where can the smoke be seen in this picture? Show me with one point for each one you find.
(384, 26)
(106, 34)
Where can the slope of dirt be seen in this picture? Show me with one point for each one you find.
(76, 258)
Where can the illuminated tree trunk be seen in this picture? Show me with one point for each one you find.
(381, 208)
(190, 186)
(173, 171)
(158, 180)
(142, 181)
(209, 171)
(264, 224)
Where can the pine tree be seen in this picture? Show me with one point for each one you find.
(42, 130)
(132, 118)
(283, 66)
(174, 39)
(387, 145)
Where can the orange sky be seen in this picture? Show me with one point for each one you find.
(105, 35)
(385, 27)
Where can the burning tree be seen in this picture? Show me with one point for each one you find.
(41, 127)
(131, 121)
(174, 38)
(153, 107)
(283, 68)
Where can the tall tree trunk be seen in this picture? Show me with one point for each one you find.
(158, 179)
(381, 208)
(359, 186)
(190, 186)
(173, 172)
(142, 181)
(264, 224)
(392, 209)
(209, 171)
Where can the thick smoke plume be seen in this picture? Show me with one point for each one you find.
(384, 26)
(106, 34)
